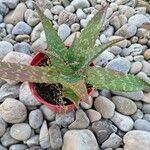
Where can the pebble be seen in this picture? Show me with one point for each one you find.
(85, 139)
(80, 14)
(80, 4)
(1, 18)
(104, 106)
(55, 137)
(20, 131)
(65, 119)
(124, 105)
(36, 32)
(119, 64)
(7, 91)
(21, 38)
(9, 28)
(18, 147)
(35, 118)
(39, 44)
(146, 117)
(57, 9)
(5, 48)
(146, 68)
(64, 31)
(146, 97)
(2, 148)
(3, 9)
(66, 17)
(115, 22)
(48, 114)
(70, 8)
(48, 14)
(31, 17)
(3, 126)
(147, 54)
(138, 20)
(81, 121)
(93, 115)
(136, 67)
(137, 140)
(75, 27)
(34, 140)
(115, 50)
(133, 50)
(13, 111)
(137, 115)
(10, 4)
(7, 139)
(141, 124)
(146, 108)
(114, 141)
(26, 97)
(124, 123)
(13, 17)
(127, 31)
(23, 47)
(104, 58)
(103, 129)
(44, 136)
(21, 28)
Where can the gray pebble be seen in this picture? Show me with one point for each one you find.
(21, 28)
(3, 9)
(124, 123)
(64, 31)
(127, 31)
(23, 47)
(34, 140)
(138, 20)
(146, 108)
(11, 4)
(5, 48)
(115, 50)
(80, 4)
(80, 14)
(65, 119)
(119, 64)
(136, 67)
(141, 124)
(49, 115)
(20, 131)
(18, 147)
(75, 27)
(13, 111)
(57, 9)
(137, 115)
(35, 118)
(55, 137)
(114, 141)
(7, 139)
(3, 126)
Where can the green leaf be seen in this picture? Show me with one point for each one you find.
(107, 79)
(89, 57)
(69, 94)
(89, 35)
(20, 72)
(53, 40)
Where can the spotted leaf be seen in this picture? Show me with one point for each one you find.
(107, 79)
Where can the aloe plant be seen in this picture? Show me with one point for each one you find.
(70, 67)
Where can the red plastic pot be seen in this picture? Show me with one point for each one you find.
(37, 59)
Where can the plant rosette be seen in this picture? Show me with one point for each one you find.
(37, 59)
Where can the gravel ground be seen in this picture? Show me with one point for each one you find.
(112, 120)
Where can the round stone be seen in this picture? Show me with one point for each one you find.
(124, 123)
(3, 126)
(35, 119)
(5, 48)
(136, 67)
(147, 54)
(21, 131)
(64, 31)
(57, 9)
(21, 28)
(124, 105)
(104, 106)
(13, 111)
(137, 140)
(119, 64)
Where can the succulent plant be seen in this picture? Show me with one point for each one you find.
(70, 67)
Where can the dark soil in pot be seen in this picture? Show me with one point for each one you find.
(52, 93)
